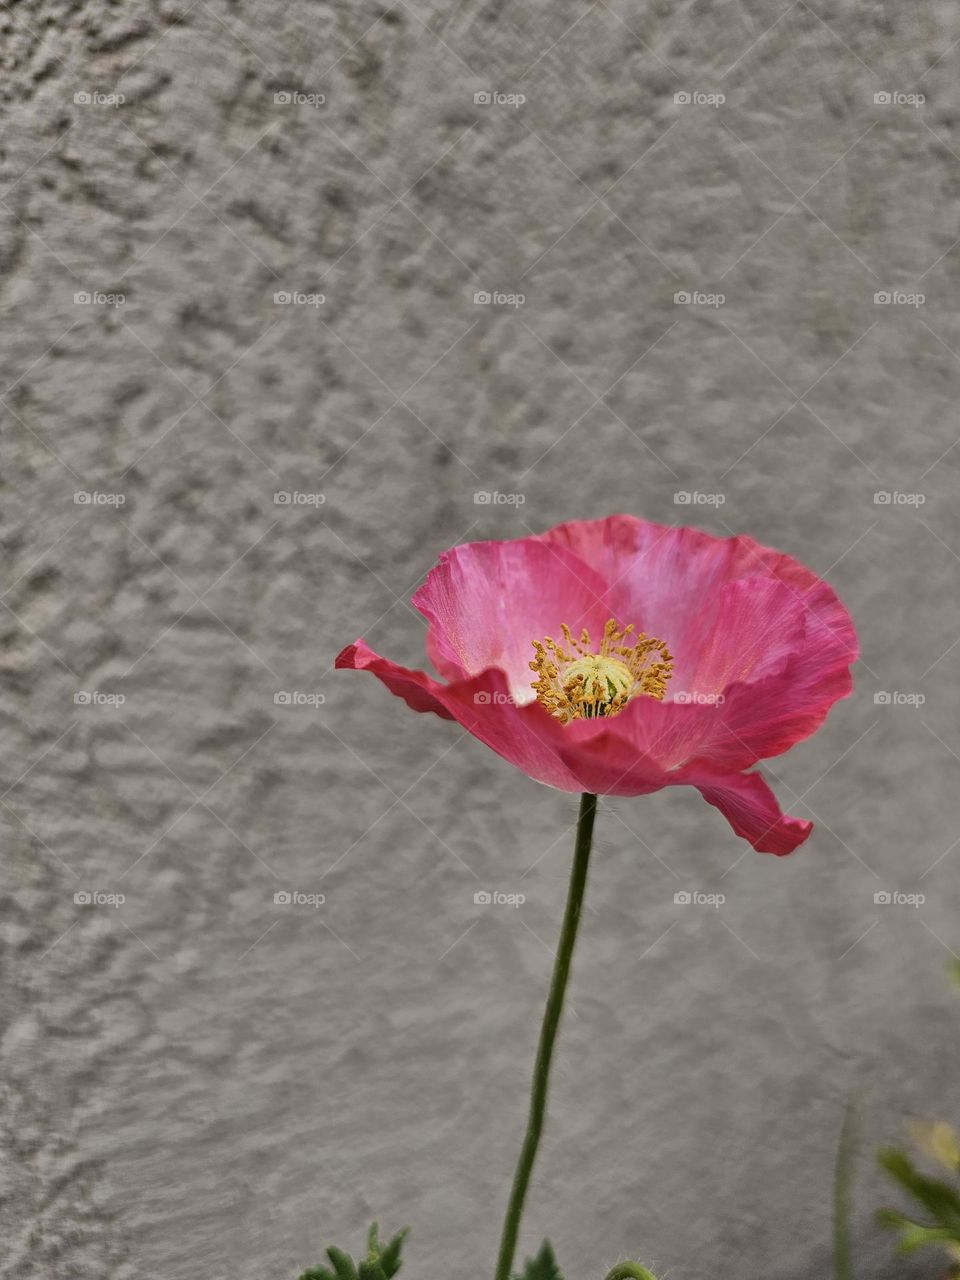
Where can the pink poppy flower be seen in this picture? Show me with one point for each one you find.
(538, 641)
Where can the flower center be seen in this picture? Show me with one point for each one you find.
(574, 683)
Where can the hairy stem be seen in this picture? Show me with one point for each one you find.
(548, 1036)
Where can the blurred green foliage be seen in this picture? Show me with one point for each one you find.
(381, 1262)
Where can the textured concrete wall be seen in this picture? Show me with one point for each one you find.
(201, 1083)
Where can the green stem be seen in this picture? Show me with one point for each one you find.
(548, 1036)
(842, 1195)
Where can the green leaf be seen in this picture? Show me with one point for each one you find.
(940, 1200)
(543, 1266)
(390, 1257)
(342, 1264)
(381, 1263)
(936, 1196)
(913, 1235)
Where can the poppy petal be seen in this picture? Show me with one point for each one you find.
(416, 688)
(486, 603)
(751, 808)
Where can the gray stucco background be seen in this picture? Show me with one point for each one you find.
(203, 1083)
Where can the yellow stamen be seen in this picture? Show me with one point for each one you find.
(575, 683)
